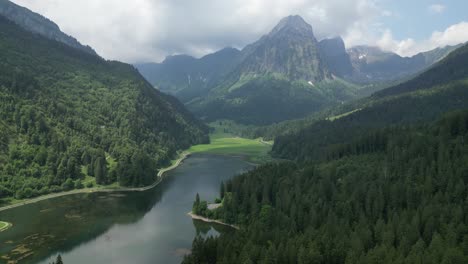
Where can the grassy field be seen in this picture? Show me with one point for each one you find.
(253, 150)
(4, 226)
(333, 118)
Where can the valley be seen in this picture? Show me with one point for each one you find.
(120, 227)
(254, 151)
(249, 136)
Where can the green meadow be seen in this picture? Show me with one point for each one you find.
(4, 226)
(253, 150)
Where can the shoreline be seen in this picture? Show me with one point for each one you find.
(208, 220)
(160, 174)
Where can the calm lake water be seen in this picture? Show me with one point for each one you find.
(139, 227)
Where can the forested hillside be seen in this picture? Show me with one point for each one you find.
(66, 114)
(419, 100)
(384, 182)
(392, 195)
(450, 69)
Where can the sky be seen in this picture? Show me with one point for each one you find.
(149, 30)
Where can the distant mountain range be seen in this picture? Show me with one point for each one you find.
(371, 64)
(38, 24)
(286, 74)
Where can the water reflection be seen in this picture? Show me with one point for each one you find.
(144, 227)
(63, 223)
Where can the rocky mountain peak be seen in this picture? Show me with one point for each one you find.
(292, 25)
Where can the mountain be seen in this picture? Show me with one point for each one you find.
(335, 56)
(187, 77)
(70, 117)
(289, 50)
(442, 88)
(452, 68)
(281, 76)
(38, 24)
(396, 195)
(371, 64)
(383, 183)
(286, 74)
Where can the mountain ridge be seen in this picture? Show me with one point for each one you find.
(285, 66)
(39, 24)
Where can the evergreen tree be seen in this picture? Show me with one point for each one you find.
(100, 170)
(222, 191)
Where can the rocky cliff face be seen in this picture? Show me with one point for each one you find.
(334, 54)
(290, 50)
(38, 24)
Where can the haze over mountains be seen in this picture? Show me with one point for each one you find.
(286, 69)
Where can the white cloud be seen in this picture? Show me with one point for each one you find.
(436, 8)
(403, 47)
(149, 30)
(453, 35)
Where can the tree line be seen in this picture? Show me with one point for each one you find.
(66, 115)
(392, 195)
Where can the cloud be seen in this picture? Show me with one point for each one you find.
(149, 30)
(436, 8)
(453, 35)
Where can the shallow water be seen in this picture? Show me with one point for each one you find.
(139, 227)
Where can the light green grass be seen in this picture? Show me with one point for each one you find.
(4, 226)
(254, 150)
(333, 118)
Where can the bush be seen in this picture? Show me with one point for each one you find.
(55, 189)
(68, 184)
(44, 190)
(89, 185)
(79, 184)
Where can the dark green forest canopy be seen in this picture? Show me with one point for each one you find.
(382, 184)
(392, 195)
(65, 113)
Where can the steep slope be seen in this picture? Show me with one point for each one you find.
(442, 88)
(385, 183)
(286, 74)
(371, 64)
(68, 116)
(452, 68)
(279, 77)
(187, 77)
(38, 24)
(289, 50)
(334, 54)
(397, 195)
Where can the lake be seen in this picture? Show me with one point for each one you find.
(119, 227)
